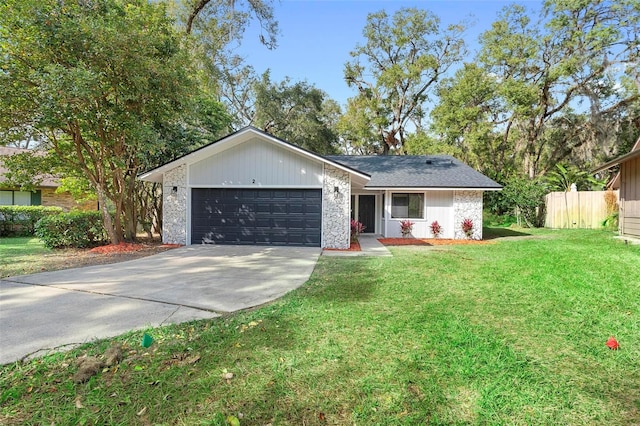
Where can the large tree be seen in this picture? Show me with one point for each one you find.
(395, 73)
(96, 79)
(561, 85)
(470, 118)
(229, 18)
(298, 113)
(217, 28)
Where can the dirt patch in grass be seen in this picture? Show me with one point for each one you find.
(430, 242)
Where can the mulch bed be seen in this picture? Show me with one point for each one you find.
(355, 246)
(430, 242)
(126, 248)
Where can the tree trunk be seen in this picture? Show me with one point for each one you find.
(131, 223)
(156, 196)
(106, 217)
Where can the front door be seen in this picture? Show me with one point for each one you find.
(367, 212)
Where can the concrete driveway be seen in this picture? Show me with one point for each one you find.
(52, 311)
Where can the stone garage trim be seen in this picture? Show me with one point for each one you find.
(467, 204)
(336, 214)
(174, 206)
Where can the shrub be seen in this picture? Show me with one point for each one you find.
(613, 210)
(21, 220)
(76, 229)
(467, 227)
(612, 221)
(491, 219)
(436, 229)
(356, 229)
(526, 199)
(406, 227)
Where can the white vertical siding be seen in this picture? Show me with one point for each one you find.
(256, 163)
(438, 206)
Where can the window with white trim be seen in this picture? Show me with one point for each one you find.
(407, 206)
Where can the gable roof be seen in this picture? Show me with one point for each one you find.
(240, 136)
(417, 171)
(373, 171)
(5, 151)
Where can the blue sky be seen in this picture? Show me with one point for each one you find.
(316, 36)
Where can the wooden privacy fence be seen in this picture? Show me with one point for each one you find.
(579, 209)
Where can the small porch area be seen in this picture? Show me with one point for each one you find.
(369, 246)
(381, 211)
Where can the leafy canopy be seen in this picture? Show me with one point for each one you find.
(395, 72)
(97, 79)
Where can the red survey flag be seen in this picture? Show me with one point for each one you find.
(612, 343)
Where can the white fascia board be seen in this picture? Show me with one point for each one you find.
(258, 186)
(409, 189)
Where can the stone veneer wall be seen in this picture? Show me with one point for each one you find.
(467, 204)
(174, 206)
(336, 224)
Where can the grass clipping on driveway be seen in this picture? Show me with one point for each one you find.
(509, 333)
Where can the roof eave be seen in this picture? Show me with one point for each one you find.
(431, 188)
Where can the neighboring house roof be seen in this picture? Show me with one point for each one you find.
(417, 171)
(5, 151)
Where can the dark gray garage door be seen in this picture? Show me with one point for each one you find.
(256, 216)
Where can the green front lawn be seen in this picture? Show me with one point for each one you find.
(21, 255)
(509, 333)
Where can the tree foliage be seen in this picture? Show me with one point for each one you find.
(298, 113)
(469, 117)
(547, 90)
(98, 79)
(562, 178)
(395, 72)
(228, 19)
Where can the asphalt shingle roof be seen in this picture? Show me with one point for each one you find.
(416, 171)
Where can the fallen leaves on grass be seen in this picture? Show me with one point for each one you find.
(245, 327)
(183, 359)
(613, 344)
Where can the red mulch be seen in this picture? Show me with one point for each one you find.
(429, 242)
(355, 246)
(117, 248)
